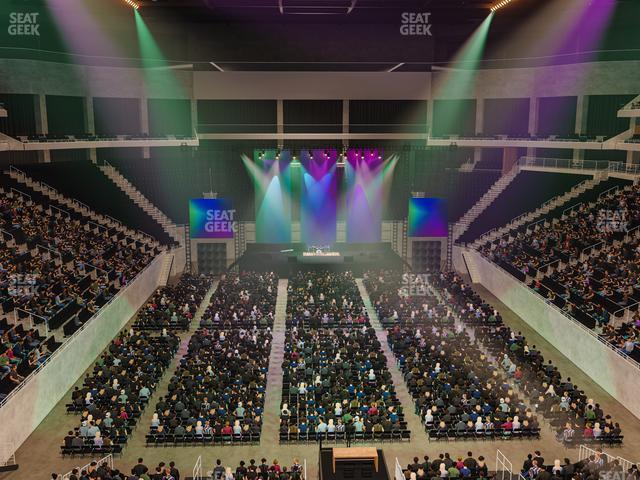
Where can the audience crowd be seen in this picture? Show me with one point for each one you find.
(336, 382)
(217, 391)
(243, 301)
(126, 374)
(173, 307)
(57, 268)
(444, 466)
(458, 391)
(585, 262)
(577, 418)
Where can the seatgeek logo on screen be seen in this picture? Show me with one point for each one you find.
(212, 218)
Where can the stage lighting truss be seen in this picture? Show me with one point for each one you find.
(502, 3)
(132, 3)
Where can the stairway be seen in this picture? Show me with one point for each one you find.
(539, 212)
(481, 205)
(273, 395)
(138, 198)
(165, 271)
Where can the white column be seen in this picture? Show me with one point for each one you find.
(280, 120)
(582, 109)
(194, 115)
(144, 123)
(90, 125)
(345, 121)
(534, 104)
(479, 115)
(42, 124)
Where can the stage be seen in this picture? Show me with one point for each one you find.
(286, 259)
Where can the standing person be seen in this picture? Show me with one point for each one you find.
(218, 471)
(350, 431)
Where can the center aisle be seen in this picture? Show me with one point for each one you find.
(413, 420)
(273, 395)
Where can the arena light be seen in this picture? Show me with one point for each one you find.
(132, 3)
(498, 6)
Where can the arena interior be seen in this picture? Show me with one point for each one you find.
(319, 239)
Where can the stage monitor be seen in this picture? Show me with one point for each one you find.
(427, 217)
(211, 218)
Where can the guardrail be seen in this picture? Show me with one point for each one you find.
(21, 193)
(45, 321)
(2, 230)
(61, 210)
(108, 460)
(567, 163)
(68, 341)
(609, 345)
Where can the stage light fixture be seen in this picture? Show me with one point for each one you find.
(132, 3)
(501, 4)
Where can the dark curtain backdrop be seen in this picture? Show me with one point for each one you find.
(454, 117)
(507, 116)
(315, 116)
(117, 116)
(21, 119)
(237, 116)
(602, 114)
(65, 115)
(169, 116)
(557, 115)
(371, 116)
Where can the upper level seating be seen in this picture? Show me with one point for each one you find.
(467, 190)
(85, 182)
(173, 307)
(328, 300)
(594, 261)
(455, 398)
(526, 192)
(56, 268)
(557, 399)
(243, 301)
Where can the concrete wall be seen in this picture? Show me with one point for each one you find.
(615, 374)
(31, 76)
(21, 415)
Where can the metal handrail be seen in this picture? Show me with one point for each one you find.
(45, 321)
(61, 210)
(97, 225)
(21, 193)
(108, 459)
(57, 252)
(20, 172)
(602, 194)
(631, 361)
(67, 342)
(2, 230)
